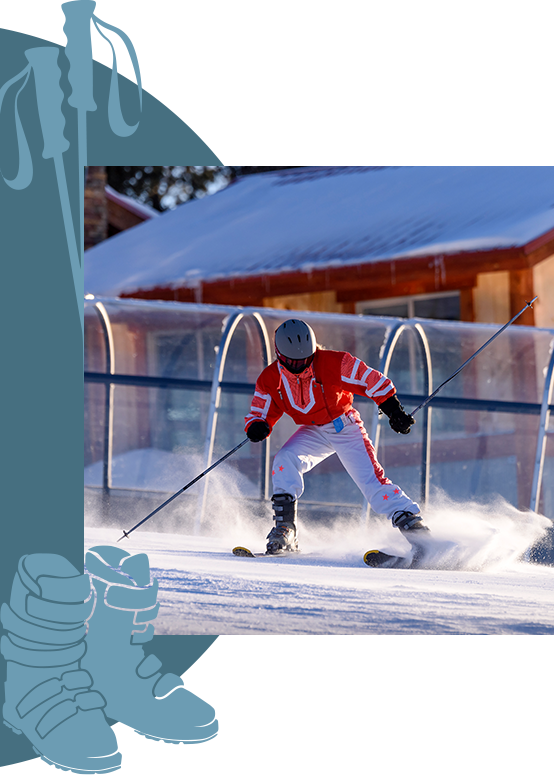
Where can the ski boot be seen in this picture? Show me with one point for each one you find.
(283, 537)
(48, 694)
(137, 692)
(407, 520)
(415, 531)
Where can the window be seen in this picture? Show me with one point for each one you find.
(437, 306)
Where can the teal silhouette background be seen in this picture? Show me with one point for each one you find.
(42, 368)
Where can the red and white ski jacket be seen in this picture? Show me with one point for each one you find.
(320, 394)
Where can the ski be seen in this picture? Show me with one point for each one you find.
(377, 559)
(242, 551)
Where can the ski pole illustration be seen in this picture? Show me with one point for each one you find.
(79, 53)
(24, 173)
(77, 27)
(127, 533)
(43, 61)
(528, 304)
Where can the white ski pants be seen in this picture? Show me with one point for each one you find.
(347, 436)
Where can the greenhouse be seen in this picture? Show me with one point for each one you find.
(167, 386)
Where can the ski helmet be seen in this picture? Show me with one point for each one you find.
(295, 345)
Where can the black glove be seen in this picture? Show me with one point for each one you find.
(258, 430)
(399, 420)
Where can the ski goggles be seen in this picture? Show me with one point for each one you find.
(294, 365)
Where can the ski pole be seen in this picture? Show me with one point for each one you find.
(126, 533)
(446, 381)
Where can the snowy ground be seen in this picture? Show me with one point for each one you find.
(482, 587)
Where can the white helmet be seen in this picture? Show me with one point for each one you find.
(295, 345)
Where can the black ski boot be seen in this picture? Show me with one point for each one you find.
(282, 537)
(415, 531)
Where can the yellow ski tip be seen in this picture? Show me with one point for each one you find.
(242, 551)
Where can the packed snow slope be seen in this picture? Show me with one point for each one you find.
(477, 581)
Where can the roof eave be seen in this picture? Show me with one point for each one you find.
(363, 280)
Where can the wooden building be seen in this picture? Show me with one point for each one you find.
(106, 211)
(466, 243)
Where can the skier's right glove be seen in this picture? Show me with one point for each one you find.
(258, 430)
(399, 420)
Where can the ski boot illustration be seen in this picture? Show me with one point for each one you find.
(49, 697)
(137, 692)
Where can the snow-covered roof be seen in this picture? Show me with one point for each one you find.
(317, 217)
(144, 212)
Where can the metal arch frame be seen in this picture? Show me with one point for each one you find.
(541, 440)
(266, 454)
(109, 399)
(391, 338)
(215, 401)
(389, 346)
(428, 387)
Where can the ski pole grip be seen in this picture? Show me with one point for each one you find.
(78, 15)
(44, 61)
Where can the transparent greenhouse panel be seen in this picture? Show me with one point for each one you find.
(158, 437)
(247, 462)
(95, 419)
(476, 455)
(164, 339)
(510, 369)
(160, 424)
(94, 341)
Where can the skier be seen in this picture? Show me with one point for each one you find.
(315, 387)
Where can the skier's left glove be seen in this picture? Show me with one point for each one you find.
(399, 420)
(258, 430)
